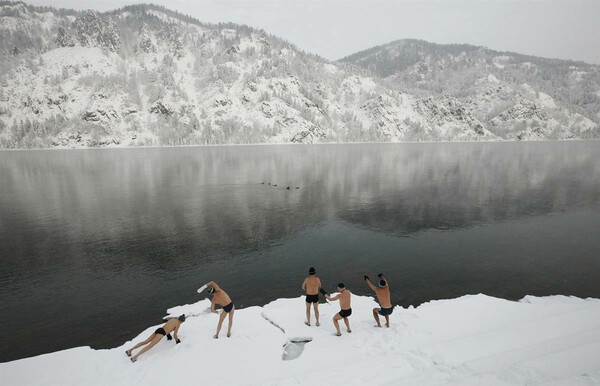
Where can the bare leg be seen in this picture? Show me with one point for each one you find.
(336, 318)
(376, 316)
(155, 340)
(140, 344)
(347, 321)
(316, 307)
(221, 319)
(230, 322)
(387, 320)
(307, 314)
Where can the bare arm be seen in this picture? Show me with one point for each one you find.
(212, 305)
(214, 285)
(175, 332)
(331, 298)
(304, 285)
(386, 280)
(371, 286)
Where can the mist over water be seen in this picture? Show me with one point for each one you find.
(95, 245)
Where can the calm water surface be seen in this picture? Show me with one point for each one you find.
(95, 245)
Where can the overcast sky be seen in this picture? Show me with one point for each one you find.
(567, 29)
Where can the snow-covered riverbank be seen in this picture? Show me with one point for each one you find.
(470, 340)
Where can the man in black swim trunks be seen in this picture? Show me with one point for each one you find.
(171, 326)
(384, 298)
(346, 310)
(311, 285)
(221, 298)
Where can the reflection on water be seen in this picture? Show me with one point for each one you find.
(95, 239)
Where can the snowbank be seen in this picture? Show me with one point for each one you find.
(471, 340)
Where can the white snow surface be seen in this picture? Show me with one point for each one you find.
(471, 340)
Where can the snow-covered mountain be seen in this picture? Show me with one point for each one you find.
(514, 96)
(144, 75)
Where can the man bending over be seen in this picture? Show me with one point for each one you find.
(221, 298)
(171, 326)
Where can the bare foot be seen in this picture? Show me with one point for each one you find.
(307, 323)
(377, 325)
(318, 324)
(387, 325)
(128, 353)
(133, 359)
(216, 336)
(229, 334)
(349, 330)
(338, 334)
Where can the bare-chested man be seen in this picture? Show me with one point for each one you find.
(346, 310)
(221, 298)
(171, 326)
(311, 285)
(383, 296)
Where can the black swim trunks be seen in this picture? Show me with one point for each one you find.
(386, 311)
(160, 331)
(345, 313)
(312, 298)
(228, 307)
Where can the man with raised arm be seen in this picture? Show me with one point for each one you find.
(311, 285)
(171, 326)
(384, 298)
(220, 297)
(346, 310)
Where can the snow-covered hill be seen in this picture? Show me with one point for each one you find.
(513, 96)
(144, 75)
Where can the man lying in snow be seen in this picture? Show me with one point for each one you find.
(171, 326)
(311, 285)
(221, 298)
(346, 311)
(384, 298)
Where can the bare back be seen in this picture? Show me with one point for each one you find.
(345, 300)
(171, 325)
(383, 295)
(311, 285)
(221, 298)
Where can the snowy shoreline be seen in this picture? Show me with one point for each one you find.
(294, 144)
(474, 339)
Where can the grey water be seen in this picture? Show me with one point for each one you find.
(95, 245)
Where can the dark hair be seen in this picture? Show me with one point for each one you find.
(211, 290)
(341, 285)
(382, 283)
(181, 318)
(311, 271)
